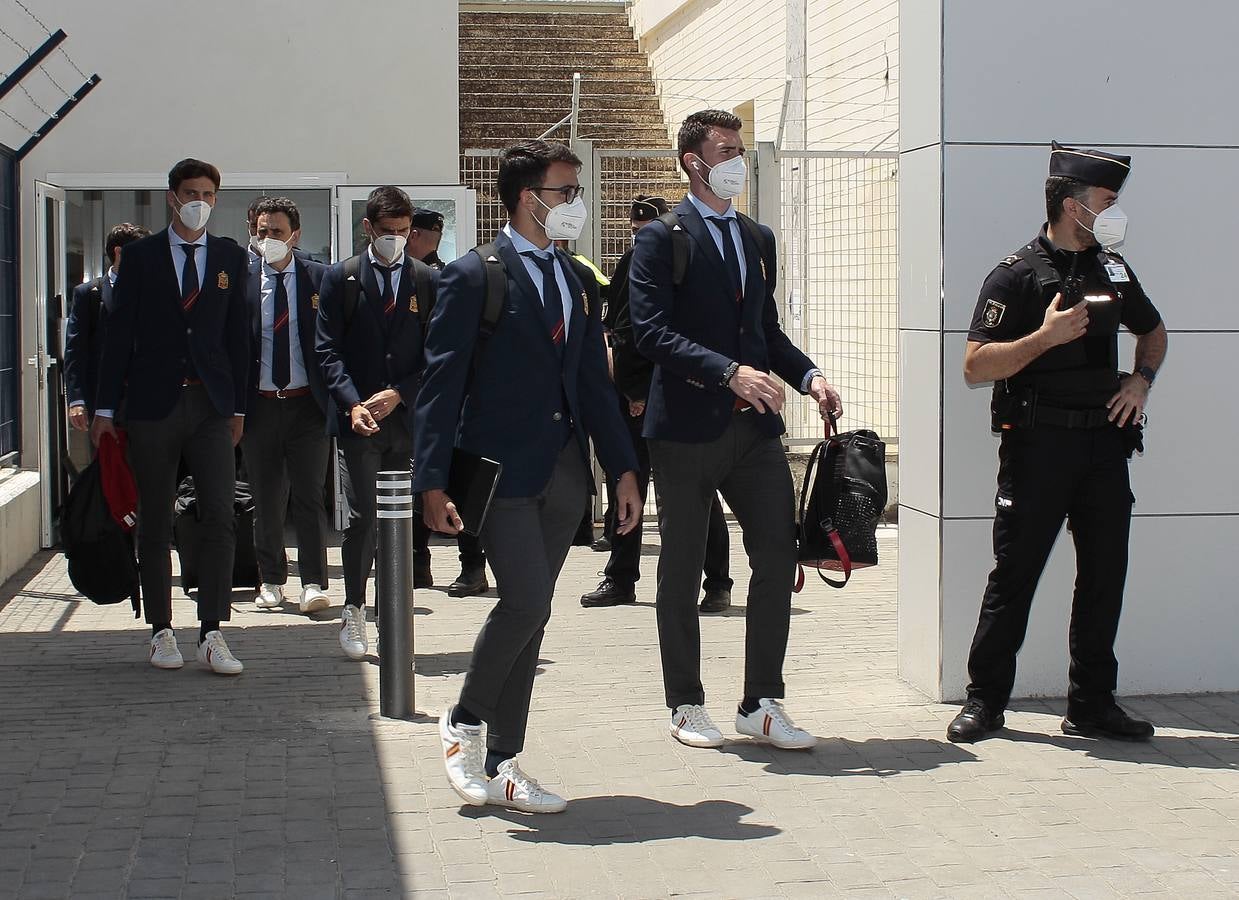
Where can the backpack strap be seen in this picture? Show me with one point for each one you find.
(352, 287)
(495, 282)
(1046, 276)
(769, 268)
(679, 247)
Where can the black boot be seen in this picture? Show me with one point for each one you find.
(716, 600)
(974, 722)
(1112, 722)
(610, 593)
(470, 582)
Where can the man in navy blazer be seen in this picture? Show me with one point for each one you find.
(531, 396)
(370, 350)
(84, 330)
(176, 364)
(713, 423)
(286, 445)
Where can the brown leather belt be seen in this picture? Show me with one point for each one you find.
(285, 393)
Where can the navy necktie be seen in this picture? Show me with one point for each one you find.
(731, 259)
(281, 366)
(552, 299)
(189, 278)
(389, 292)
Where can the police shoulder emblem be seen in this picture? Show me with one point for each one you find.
(314, 301)
(993, 312)
(222, 281)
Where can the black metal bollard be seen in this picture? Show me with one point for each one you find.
(394, 591)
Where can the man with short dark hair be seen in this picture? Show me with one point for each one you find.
(176, 362)
(285, 443)
(530, 396)
(85, 328)
(632, 373)
(369, 343)
(713, 425)
(251, 225)
(1045, 331)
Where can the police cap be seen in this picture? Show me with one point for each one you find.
(427, 218)
(1093, 167)
(647, 209)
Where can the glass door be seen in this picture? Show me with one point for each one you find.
(457, 204)
(50, 311)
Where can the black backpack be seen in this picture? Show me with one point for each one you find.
(843, 496)
(421, 289)
(102, 564)
(679, 247)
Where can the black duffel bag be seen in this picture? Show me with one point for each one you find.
(841, 501)
(186, 529)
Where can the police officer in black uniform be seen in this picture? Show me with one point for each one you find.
(1045, 331)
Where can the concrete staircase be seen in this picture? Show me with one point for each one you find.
(516, 69)
(516, 77)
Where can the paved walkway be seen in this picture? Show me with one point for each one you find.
(120, 780)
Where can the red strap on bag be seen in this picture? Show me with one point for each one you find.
(845, 559)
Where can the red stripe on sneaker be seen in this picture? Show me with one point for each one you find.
(765, 726)
(452, 750)
(511, 788)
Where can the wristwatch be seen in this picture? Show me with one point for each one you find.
(729, 373)
(1147, 373)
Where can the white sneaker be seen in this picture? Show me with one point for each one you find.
(513, 788)
(353, 632)
(312, 599)
(270, 596)
(770, 723)
(463, 759)
(165, 654)
(691, 725)
(214, 652)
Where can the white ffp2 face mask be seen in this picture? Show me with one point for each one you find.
(194, 214)
(389, 247)
(727, 179)
(565, 222)
(272, 249)
(1109, 226)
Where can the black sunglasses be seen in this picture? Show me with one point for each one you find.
(569, 192)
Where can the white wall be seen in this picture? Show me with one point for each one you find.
(284, 87)
(976, 120)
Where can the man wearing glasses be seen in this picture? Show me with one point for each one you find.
(530, 397)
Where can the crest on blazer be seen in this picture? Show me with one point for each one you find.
(413, 302)
(993, 312)
(585, 302)
(314, 301)
(222, 281)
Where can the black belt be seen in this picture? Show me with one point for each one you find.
(1071, 418)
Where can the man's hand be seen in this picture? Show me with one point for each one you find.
(439, 512)
(1061, 326)
(78, 418)
(758, 388)
(238, 427)
(99, 427)
(382, 403)
(636, 408)
(828, 400)
(628, 500)
(361, 421)
(1128, 404)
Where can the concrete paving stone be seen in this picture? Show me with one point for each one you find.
(156, 888)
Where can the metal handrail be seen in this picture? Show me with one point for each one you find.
(571, 118)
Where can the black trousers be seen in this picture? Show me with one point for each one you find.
(1046, 475)
(527, 541)
(470, 546)
(624, 564)
(751, 471)
(389, 449)
(286, 454)
(195, 430)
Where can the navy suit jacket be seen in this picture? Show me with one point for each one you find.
(84, 330)
(366, 356)
(309, 279)
(693, 332)
(505, 410)
(150, 339)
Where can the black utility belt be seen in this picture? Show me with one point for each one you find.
(1059, 417)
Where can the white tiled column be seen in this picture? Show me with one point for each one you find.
(983, 92)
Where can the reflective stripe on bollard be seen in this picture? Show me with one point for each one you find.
(394, 592)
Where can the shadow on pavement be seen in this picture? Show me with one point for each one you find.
(1185, 751)
(839, 757)
(142, 782)
(601, 821)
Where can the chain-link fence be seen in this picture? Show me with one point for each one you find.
(839, 265)
(479, 170)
